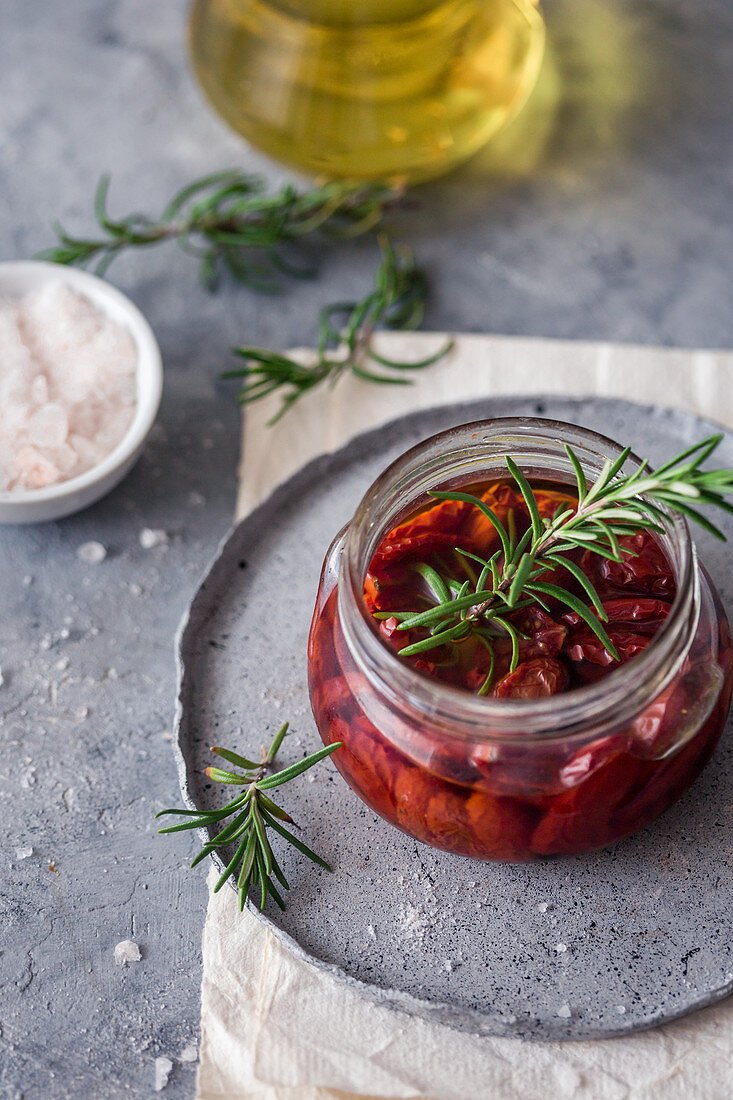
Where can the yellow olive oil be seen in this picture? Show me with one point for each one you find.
(367, 89)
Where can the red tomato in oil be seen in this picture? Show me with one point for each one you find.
(532, 680)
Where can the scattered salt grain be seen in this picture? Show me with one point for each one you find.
(91, 553)
(68, 798)
(28, 778)
(126, 952)
(621, 1009)
(189, 1053)
(62, 664)
(135, 590)
(413, 923)
(564, 1012)
(67, 387)
(543, 907)
(2, 678)
(163, 1067)
(560, 947)
(27, 580)
(23, 853)
(150, 538)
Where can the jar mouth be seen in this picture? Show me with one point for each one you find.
(468, 453)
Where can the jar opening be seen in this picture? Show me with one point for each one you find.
(469, 453)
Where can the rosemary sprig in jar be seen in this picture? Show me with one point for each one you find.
(253, 813)
(230, 221)
(397, 301)
(615, 506)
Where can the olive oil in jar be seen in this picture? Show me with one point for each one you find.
(391, 89)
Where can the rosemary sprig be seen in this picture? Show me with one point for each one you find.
(230, 221)
(613, 507)
(397, 301)
(253, 813)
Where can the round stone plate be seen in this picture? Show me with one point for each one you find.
(588, 946)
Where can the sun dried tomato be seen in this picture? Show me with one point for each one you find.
(648, 572)
(447, 822)
(410, 548)
(501, 828)
(532, 680)
(479, 531)
(583, 817)
(583, 645)
(644, 612)
(543, 636)
(588, 759)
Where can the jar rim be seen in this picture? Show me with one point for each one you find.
(429, 463)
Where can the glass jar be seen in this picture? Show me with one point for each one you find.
(514, 779)
(367, 89)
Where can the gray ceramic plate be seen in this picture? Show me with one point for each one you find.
(573, 948)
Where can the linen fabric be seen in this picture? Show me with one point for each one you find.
(275, 1028)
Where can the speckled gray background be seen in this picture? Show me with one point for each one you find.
(589, 946)
(613, 223)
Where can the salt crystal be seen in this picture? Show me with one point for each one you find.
(189, 1053)
(68, 798)
(62, 664)
(543, 907)
(135, 590)
(126, 952)
(163, 1067)
(564, 1012)
(2, 678)
(23, 853)
(27, 580)
(150, 538)
(621, 1009)
(48, 427)
(413, 923)
(196, 500)
(91, 553)
(32, 470)
(67, 386)
(560, 947)
(39, 389)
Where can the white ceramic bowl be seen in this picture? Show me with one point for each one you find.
(55, 501)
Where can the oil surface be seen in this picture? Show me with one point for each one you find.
(399, 89)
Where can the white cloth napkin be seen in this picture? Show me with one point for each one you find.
(275, 1028)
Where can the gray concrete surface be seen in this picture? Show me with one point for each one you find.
(609, 217)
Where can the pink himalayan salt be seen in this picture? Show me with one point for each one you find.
(67, 386)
